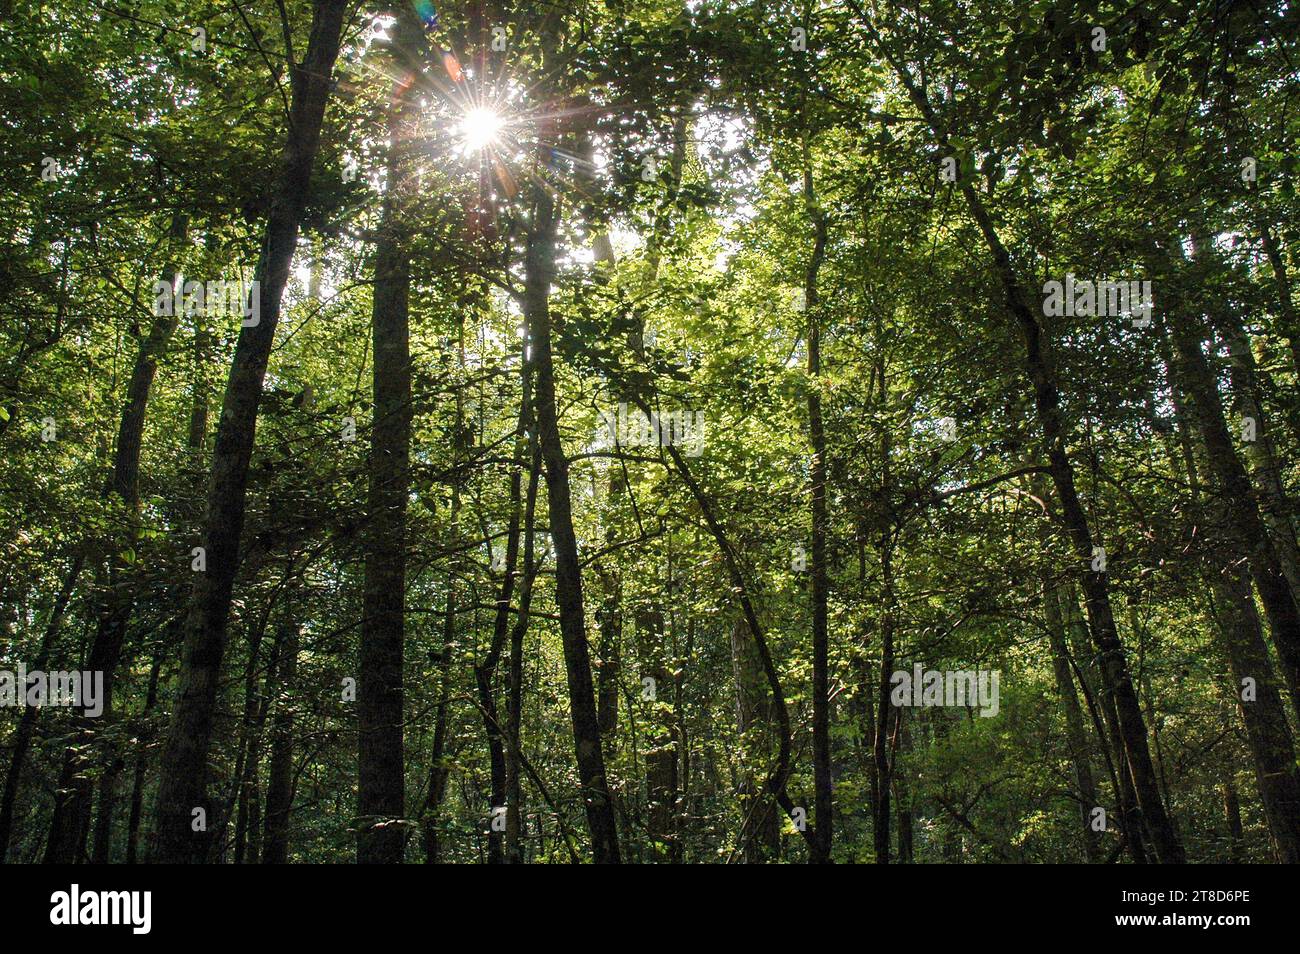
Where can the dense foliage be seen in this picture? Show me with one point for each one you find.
(465, 602)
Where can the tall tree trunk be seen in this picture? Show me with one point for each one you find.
(864, 708)
(609, 617)
(485, 672)
(381, 780)
(108, 784)
(279, 786)
(1248, 533)
(183, 784)
(137, 777)
(902, 791)
(1106, 723)
(245, 788)
(438, 770)
(1268, 734)
(483, 678)
(195, 443)
(246, 783)
(885, 709)
(1275, 505)
(884, 718)
(1075, 736)
(539, 273)
(823, 800)
(515, 677)
(682, 739)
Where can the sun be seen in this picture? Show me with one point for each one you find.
(480, 128)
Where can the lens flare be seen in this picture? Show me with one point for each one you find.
(428, 15)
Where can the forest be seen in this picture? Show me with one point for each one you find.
(649, 431)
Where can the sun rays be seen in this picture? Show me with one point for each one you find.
(477, 120)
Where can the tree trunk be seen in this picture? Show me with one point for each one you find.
(485, 672)
(864, 709)
(1268, 735)
(100, 848)
(883, 773)
(1275, 505)
(1075, 736)
(137, 778)
(819, 577)
(438, 771)
(515, 677)
(609, 617)
(496, 763)
(1248, 533)
(279, 786)
(540, 270)
(245, 785)
(1108, 731)
(884, 718)
(902, 791)
(381, 781)
(183, 785)
(760, 828)
(244, 796)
